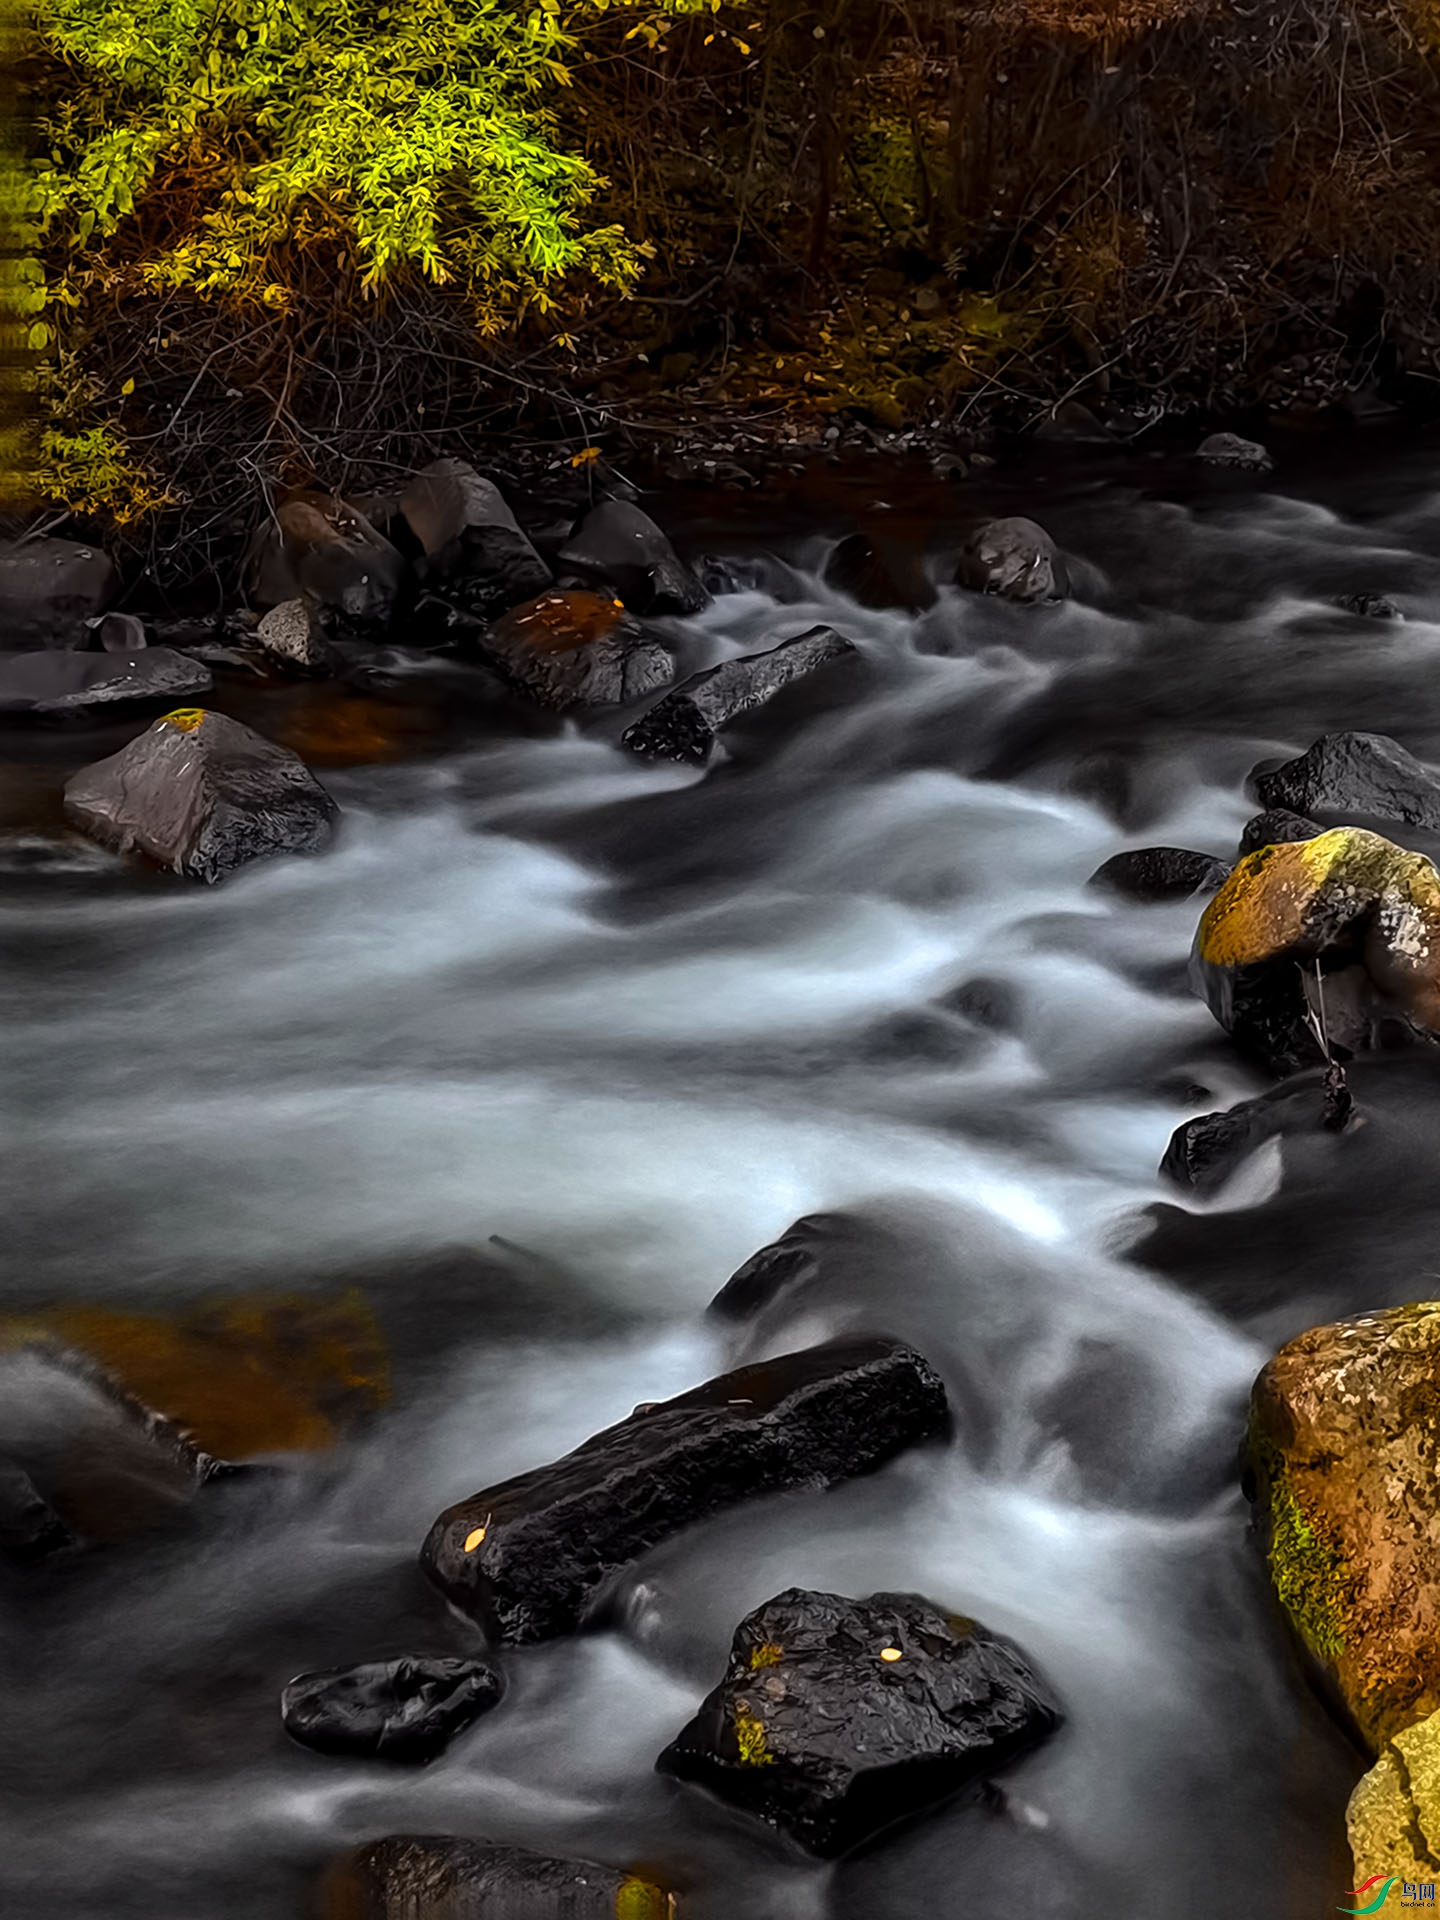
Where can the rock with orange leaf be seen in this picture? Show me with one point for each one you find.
(577, 649)
(440, 1877)
(201, 794)
(1330, 943)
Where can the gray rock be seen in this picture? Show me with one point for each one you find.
(1357, 775)
(438, 1877)
(320, 545)
(1015, 559)
(54, 683)
(474, 547)
(529, 1557)
(577, 649)
(1160, 873)
(1229, 450)
(118, 632)
(202, 795)
(30, 1528)
(49, 589)
(684, 725)
(1370, 606)
(772, 1271)
(838, 1717)
(618, 544)
(408, 1709)
(295, 633)
(1274, 828)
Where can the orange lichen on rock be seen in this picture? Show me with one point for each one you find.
(1344, 1448)
(246, 1376)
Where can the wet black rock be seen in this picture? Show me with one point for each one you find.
(55, 684)
(1276, 827)
(49, 589)
(408, 1709)
(622, 547)
(1369, 606)
(529, 1557)
(474, 547)
(838, 1717)
(1160, 873)
(438, 1877)
(1014, 559)
(1204, 1152)
(202, 795)
(1229, 450)
(30, 1528)
(576, 649)
(322, 546)
(770, 1272)
(683, 726)
(878, 574)
(1355, 775)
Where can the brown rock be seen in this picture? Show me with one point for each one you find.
(577, 649)
(320, 545)
(1344, 1450)
(438, 1877)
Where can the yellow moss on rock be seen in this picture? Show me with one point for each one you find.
(1393, 1820)
(750, 1739)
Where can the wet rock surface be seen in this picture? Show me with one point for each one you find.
(1205, 1152)
(878, 574)
(437, 1877)
(529, 1557)
(203, 795)
(30, 1528)
(686, 723)
(475, 550)
(1369, 606)
(577, 649)
(838, 1717)
(1160, 873)
(766, 1275)
(320, 545)
(618, 545)
(1365, 775)
(1229, 450)
(1274, 828)
(1344, 1462)
(1393, 1820)
(50, 588)
(407, 1710)
(55, 683)
(1016, 559)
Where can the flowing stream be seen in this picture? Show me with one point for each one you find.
(552, 1041)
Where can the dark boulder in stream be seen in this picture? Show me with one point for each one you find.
(55, 684)
(577, 649)
(618, 545)
(1370, 606)
(438, 1877)
(1276, 827)
(30, 1528)
(201, 794)
(50, 589)
(408, 1709)
(324, 547)
(528, 1558)
(838, 1717)
(1160, 873)
(684, 725)
(475, 549)
(776, 1268)
(1014, 559)
(1359, 775)
(878, 573)
(1205, 1152)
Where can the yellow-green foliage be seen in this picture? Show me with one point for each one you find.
(1307, 1572)
(217, 142)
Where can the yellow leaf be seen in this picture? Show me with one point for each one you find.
(586, 457)
(129, 387)
(742, 45)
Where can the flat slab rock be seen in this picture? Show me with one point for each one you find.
(202, 794)
(838, 1717)
(1355, 774)
(438, 1877)
(408, 1709)
(528, 1557)
(683, 726)
(55, 683)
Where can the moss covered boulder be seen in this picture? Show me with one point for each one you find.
(1344, 1466)
(1394, 1814)
(1342, 931)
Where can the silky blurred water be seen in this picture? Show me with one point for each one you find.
(551, 1042)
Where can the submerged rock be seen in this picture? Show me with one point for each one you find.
(882, 575)
(1393, 1820)
(54, 684)
(408, 1709)
(50, 589)
(618, 544)
(474, 546)
(1015, 559)
(321, 546)
(437, 1877)
(577, 649)
(684, 725)
(1344, 1468)
(30, 1528)
(1204, 1152)
(770, 1272)
(1341, 931)
(202, 795)
(1370, 606)
(1355, 773)
(1160, 873)
(837, 1717)
(1274, 828)
(1229, 450)
(528, 1558)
